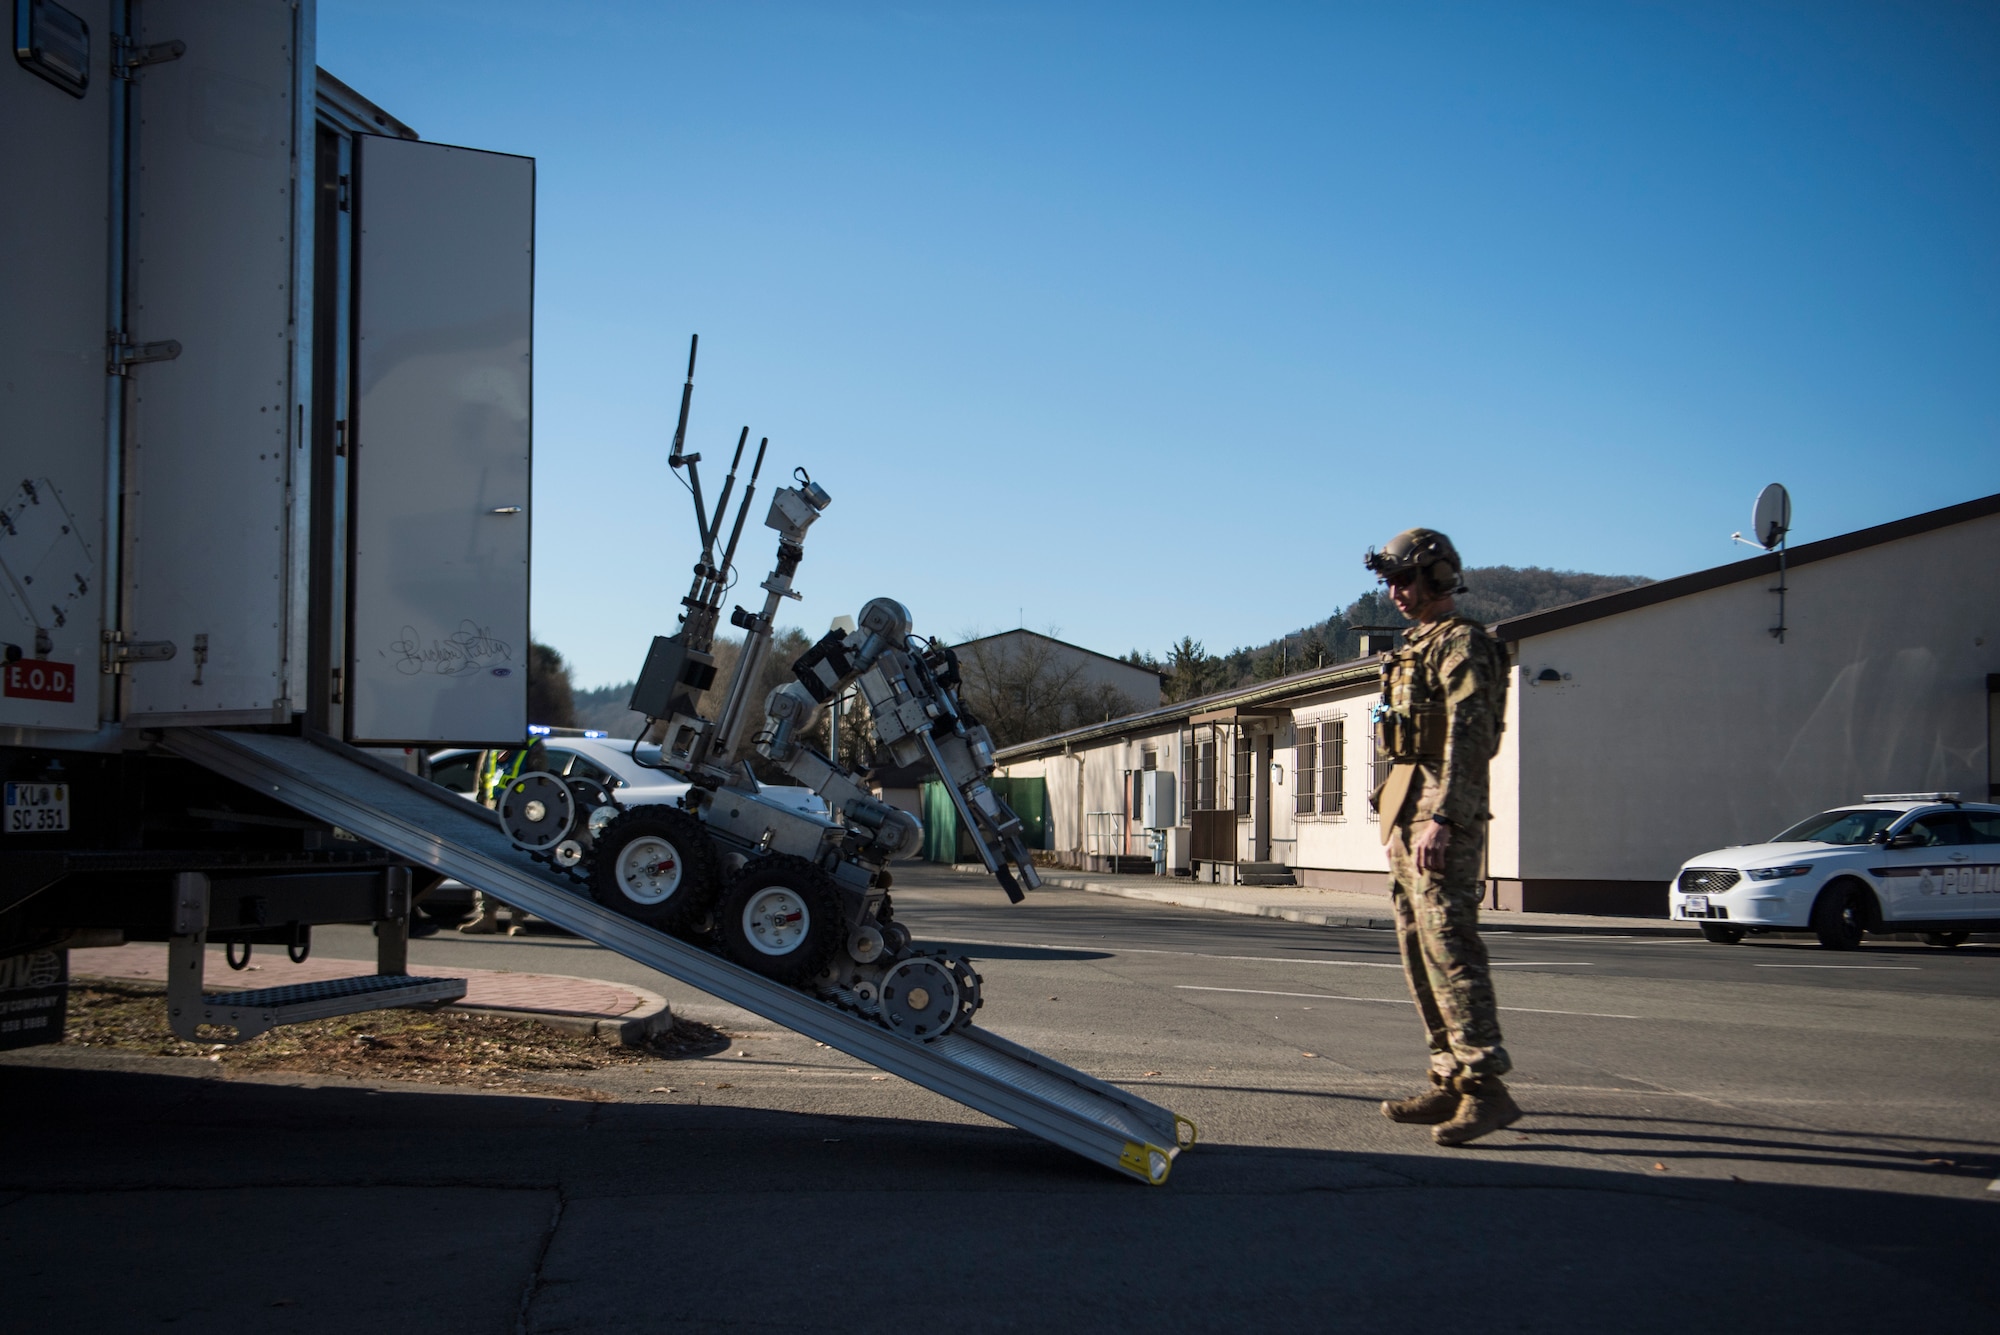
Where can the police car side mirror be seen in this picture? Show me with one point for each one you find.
(1905, 840)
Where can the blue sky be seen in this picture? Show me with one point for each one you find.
(1130, 322)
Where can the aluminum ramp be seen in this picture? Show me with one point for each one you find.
(432, 827)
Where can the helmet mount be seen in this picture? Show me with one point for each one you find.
(1426, 552)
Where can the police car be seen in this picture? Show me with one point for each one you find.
(1893, 862)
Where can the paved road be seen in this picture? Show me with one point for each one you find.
(1709, 1142)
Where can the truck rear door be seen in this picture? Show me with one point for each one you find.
(441, 443)
(212, 431)
(55, 163)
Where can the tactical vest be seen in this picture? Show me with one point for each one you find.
(1410, 721)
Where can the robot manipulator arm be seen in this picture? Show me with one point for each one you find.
(790, 714)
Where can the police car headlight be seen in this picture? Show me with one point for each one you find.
(1778, 873)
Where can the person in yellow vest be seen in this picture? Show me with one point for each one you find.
(1444, 702)
(496, 770)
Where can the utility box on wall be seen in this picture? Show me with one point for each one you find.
(1153, 801)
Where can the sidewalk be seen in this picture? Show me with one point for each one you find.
(614, 1012)
(1329, 908)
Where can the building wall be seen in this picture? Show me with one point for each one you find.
(1095, 780)
(1350, 841)
(1686, 726)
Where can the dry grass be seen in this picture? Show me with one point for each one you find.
(430, 1047)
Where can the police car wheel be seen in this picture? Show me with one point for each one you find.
(1946, 940)
(1840, 917)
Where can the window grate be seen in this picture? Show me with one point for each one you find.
(1333, 774)
(1305, 770)
(1240, 774)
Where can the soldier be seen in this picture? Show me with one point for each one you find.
(1444, 697)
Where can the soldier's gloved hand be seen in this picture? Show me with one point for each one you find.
(1431, 846)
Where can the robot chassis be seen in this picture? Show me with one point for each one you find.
(794, 895)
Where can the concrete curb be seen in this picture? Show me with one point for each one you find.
(1190, 895)
(631, 1029)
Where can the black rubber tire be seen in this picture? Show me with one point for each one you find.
(819, 900)
(1946, 940)
(1840, 916)
(1721, 933)
(690, 900)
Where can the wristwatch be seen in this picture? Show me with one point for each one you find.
(1439, 818)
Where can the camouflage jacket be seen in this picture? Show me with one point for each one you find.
(1444, 703)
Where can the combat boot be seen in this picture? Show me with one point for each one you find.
(1486, 1106)
(1434, 1105)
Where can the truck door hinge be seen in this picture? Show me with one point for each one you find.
(120, 650)
(127, 55)
(346, 196)
(121, 354)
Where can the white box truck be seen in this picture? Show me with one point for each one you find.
(265, 434)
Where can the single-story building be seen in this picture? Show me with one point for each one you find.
(1643, 727)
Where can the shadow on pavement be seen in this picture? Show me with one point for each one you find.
(132, 1200)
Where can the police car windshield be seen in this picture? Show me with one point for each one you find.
(1839, 827)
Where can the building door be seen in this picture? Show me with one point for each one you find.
(439, 444)
(1261, 803)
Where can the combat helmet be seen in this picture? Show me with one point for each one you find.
(1421, 549)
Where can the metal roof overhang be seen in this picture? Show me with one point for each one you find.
(1275, 693)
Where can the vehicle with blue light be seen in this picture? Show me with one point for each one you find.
(1924, 863)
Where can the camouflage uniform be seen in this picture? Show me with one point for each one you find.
(1443, 706)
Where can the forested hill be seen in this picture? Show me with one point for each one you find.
(1493, 593)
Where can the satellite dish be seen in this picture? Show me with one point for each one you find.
(1773, 516)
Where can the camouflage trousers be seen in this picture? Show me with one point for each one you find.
(1437, 929)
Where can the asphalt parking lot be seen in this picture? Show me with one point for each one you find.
(1710, 1141)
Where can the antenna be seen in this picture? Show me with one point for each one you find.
(749, 490)
(676, 459)
(722, 502)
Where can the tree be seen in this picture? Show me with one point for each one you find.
(1191, 671)
(551, 699)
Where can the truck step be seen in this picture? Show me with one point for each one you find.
(253, 1011)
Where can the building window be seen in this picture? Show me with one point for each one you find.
(1240, 774)
(1149, 759)
(1204, 768)
(1305, 770)
(1333, 767)
(1378, 765)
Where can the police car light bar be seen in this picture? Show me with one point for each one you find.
(1911, 797)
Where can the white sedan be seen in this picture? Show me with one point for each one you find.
(605, 760)
(609, 761)
(1892, 862)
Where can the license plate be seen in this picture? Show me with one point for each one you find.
(1695, 906)
(36, 808)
